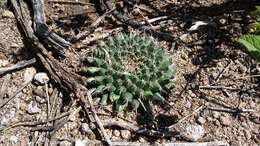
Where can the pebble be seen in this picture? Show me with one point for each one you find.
(33, 108)
(79, 143)
(3, 121)
(85, 128)
(116, 133)
(39, 99)
(14, 45)
(41, 78)
(222, 21)
(13, 140)
(29, 74)
(215, 114)
(247, 134)
(193, 132)
(225, 121)
(201, 120)
(7, 14)
(126, 134)
(3, 63)
(64, 143)
(186, 38)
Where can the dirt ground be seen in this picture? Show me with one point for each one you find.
(214, 75)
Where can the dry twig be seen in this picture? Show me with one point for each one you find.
(186, 117)
(5, 85)
(17, 66)
(135, 129)
(63, 76)
(212, 143)
(15, 93)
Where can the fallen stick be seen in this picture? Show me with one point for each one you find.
(218, 88)
(187, 116)
(14, 95)
(5, 85)
(135, 129)
(17, 66)
(30, 124)
(59, 73)
(213, 143)
(232, 110)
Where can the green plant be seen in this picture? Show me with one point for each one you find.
(128, 71)
(252, 41)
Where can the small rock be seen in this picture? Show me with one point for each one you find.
(72, 125)
(79, 143)
(188, 104)
(40, 100)
(14, 45)
(29, 74)
(186, 38)
(217, 123)
(215, 114)
(33, 108)
(225, 121)
(7, 14)
(247, 134)
(3, 121)
(125, 134)
(116, 133)
(85, 128)
(13, 140)
(65, 143)
(3, 63)
(11, 113)
(41, 78)
(193, 132)
(201, 120)
(222, 21)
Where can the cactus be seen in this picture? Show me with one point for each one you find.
(129, 71)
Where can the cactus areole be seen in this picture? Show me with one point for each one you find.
(129, 71)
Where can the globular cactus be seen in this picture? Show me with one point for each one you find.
(128, 71)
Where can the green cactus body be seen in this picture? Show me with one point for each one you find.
(129, 70)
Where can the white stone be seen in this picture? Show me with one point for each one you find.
(3, 63)
(186, 38)
(85, 128)
(79, 143)
(29, 74)
(13, 140)
(201, 120)
(225, 121)
(65, 143)
(7, 14)
(33, 108)
(116, 133)
(193, 132)
(126, 134)
(3, 121)
(41, 78)
(197, 24)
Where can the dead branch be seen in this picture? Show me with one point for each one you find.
(231, 110)
(14, 95)
(31, 124)
(187, 116)
(213, 143)
(42, 31)
(135, 129)
(17, 66)
(136, 24)
(5, 85)
(63, 76)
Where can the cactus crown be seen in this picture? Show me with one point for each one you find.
(129, 71)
